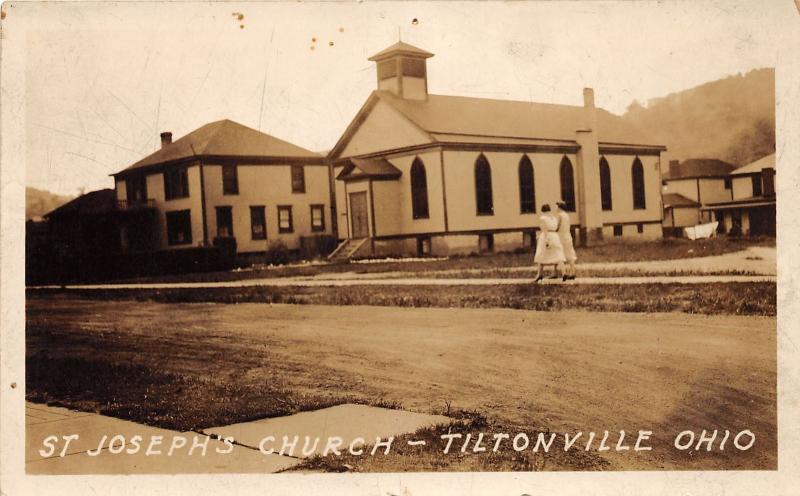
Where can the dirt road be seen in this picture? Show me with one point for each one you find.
(562, 371)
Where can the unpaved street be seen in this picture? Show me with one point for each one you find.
(563, 371)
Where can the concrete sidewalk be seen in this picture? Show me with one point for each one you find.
(107, 445)
(323, 281)
(43, 421)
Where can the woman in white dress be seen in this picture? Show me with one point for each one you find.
(565, 236)
(548, 246)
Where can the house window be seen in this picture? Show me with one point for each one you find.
(527, 196)
(176, 183)
(618, 230)
(637, 178)
(419, 190)
(567, 184)
(640, 228)
(230, 180)
(136, 189)
(224, 222)
(285, 219)
(483, 186)
(179, 227)
(317, 218)
(486, 243)
(258, 222)
(728, 183)
(298, 179)
(756, 180)
(605, 184)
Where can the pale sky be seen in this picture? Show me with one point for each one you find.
(104, 79)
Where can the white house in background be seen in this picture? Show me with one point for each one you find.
(224, 181)
(423, 173)
(690, 184)
(750, 211)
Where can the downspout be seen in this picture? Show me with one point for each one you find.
(202, 197)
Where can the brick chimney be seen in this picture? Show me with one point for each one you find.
(674, 166)
(166, 138)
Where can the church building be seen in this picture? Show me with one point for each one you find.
(418, 173)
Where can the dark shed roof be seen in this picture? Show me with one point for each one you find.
(223, 138)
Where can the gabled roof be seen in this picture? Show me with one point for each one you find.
(672, 200)
(767, 162)
(401, 48)
(373, 168)
(99, 201)
(223, 138)
(699, 167)
(481, 120)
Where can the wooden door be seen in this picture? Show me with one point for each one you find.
(358, 214)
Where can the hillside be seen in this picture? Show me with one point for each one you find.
(39, 202)
(732, 119)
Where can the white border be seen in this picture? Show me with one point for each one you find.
(13, 481)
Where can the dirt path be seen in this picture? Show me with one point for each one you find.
(563, 371)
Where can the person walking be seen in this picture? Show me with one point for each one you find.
(548, 247)
(565, 236)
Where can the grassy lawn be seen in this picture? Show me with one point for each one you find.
(194, 365)
(712, 299)
(664, 249)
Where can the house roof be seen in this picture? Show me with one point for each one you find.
(767, 162)
(672, 200)
(223, 138)
(508, 118)
(467, 119)
(699, 167)
(374, 168)
(753, 201)
(400, 48)
(99, 201)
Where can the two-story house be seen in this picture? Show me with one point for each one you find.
(750, 211)
(223, 182)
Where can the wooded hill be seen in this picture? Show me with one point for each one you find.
(732, 119)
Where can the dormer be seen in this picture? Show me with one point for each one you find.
(402, 70)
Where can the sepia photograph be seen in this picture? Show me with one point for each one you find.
(323, 241)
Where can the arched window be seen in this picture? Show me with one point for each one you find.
(567, 184)
(483, 186)
(527, 195)
(419, 190)
(637, 178)
(605, 184)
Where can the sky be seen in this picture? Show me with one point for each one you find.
(103, 80)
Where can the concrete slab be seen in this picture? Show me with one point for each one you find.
(217, 457)
(90, 428)
(240, 460)
(348, 422)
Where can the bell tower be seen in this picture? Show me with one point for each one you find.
(402, 70)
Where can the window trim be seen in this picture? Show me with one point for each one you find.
(170, 238)
(606, 192)
(263, 210)
(181, 173)
(235, 190)
(302, 170)
(479, 162)
(417, 211)
(566, 164)
(321, 208)
(526, 162)
(281, 229)
(223, 208)
(634, 184)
